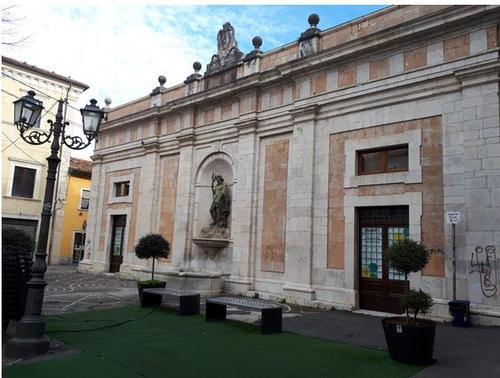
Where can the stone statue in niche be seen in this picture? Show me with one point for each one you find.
(219, 210)
(221, 204)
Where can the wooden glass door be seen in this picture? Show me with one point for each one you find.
(381, 287)
(117, 242)
(78, 246)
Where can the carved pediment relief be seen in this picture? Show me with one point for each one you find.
(228, 54)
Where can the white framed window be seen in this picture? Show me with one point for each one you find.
(84, 199)
(403, 167)
(24, 179)
(121, 189)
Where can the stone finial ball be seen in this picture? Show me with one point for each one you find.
(257, 42)
(162, 79)
(107, 101)
(197, 66)
(313, 20)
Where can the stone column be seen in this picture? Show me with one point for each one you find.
(298, 260)
(244, 217)
(182, 246)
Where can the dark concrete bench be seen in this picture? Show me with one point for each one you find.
(271, 314)
(189, 301)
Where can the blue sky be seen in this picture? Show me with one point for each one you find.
(120, 50)
(277, 25)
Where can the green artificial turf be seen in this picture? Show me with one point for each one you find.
(137, 342)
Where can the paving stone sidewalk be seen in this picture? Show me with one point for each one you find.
(70, 291)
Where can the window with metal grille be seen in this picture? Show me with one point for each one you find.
(24, 182)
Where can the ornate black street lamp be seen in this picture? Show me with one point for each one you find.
(29, 338)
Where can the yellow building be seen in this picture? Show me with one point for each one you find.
(75, 213)
(24, 166)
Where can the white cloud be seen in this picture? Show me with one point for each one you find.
(120, 50)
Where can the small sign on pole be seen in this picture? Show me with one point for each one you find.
(453, 217)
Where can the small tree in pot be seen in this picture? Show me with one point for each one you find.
(151, 246)
(409, 339)
(17, 260)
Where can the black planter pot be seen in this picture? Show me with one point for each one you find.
(460, 311)
(410, 343)
(149, 300)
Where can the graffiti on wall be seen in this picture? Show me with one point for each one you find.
(484, 262)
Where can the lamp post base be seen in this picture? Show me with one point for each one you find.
(29, 339)
(22, 348)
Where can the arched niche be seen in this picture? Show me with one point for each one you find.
(218, 163)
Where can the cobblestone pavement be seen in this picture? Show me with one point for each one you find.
(70, 291)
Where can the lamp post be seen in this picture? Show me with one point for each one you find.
(29, 337)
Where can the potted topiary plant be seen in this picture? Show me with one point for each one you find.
(409, 339)
(17, 260)
(151, 246)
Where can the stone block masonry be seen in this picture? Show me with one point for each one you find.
(286, 131)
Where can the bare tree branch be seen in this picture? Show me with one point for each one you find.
(11, 33)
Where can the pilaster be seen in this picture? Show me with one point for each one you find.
(148, 199)
(243, 229)
(299, 236)
(181, 248)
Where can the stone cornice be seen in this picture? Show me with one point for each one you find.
(247, 125)
(186, 137)
(422, 26)
(97, 159)
(478, 74)
(150, 146)
(420, 84)
(432, 23)
(304, 113)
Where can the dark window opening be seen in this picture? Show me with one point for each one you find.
(23, 184)
(383, 160)
(122, 189)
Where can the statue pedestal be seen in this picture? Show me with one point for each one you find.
(211, 245)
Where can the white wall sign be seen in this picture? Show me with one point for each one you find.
(453, 217)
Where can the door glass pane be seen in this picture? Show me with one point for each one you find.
(394, 234)
(78, 240)
(117, 242)
(371, 252)
(397, 160)
(78, 246)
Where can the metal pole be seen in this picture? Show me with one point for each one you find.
(454, 263)
(29, 338)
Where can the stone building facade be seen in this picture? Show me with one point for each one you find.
(333, 146)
